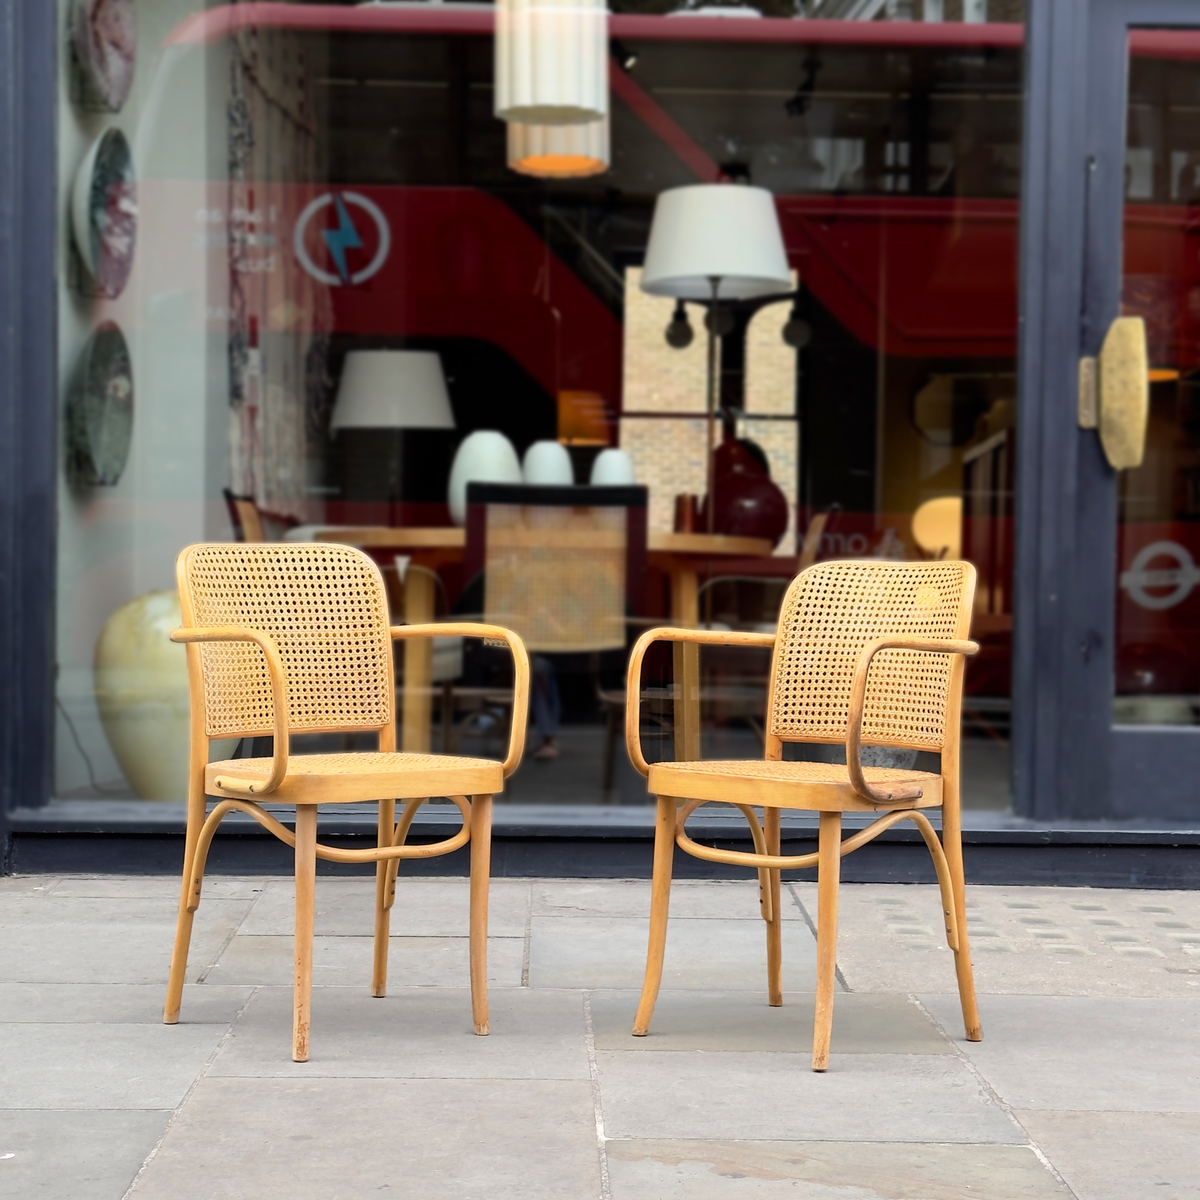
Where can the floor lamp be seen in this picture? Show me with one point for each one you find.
(713, 242)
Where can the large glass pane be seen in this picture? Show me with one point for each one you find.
(324, 210)
(1158, 534)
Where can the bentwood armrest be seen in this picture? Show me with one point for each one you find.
(516, 738)
(633, 684)
(279, 701)
(858, 699)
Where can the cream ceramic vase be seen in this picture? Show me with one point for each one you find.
(142, 694)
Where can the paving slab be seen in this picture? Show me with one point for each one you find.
(413, 1032)
(610, 952)
(26, 885)
(862, 1023)
(424, 907)
(101, 1066)
(117, 1003)
(1122, 1155)
(724, 1170)
(1049, 941)
(156, 887)
(1135, 1054)
(325, 1139)
(862, 1097)
(69, 939)
(57, 1155)
(724, 899)
(346, 961)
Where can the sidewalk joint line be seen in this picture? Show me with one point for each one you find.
(528, 935)
(995, 1097)
(837, 970)
(594, 1075)
(208, 1062)
(203, 976)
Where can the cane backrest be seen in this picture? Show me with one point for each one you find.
(831, 612)
(559, 564)
(326, 610)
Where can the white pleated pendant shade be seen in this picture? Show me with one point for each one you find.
(551, 61)
(559, 151)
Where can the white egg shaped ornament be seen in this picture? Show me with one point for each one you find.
(548, 464)
(485, 456)
(612, 468)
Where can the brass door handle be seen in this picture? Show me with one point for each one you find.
(1114, 393)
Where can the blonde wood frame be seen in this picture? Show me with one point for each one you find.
(241, 794)
(900, 797)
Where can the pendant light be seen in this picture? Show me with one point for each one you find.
(558, 151)
(551, 61)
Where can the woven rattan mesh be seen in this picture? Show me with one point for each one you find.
(357, 763)
(556, 575)
(830, 613)
(791, 772)
(326, 610)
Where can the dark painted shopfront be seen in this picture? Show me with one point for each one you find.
(970, 195)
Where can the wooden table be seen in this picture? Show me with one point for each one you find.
(679, 555)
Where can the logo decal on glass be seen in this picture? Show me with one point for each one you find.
(1180, 578)
(349, 239)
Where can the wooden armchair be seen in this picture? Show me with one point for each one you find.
(867, 652)
(287, 638)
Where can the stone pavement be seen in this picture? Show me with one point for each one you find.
(1087, 1083)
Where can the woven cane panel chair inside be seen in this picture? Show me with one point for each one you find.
(287, 638)
(562, 566)
(866, 653)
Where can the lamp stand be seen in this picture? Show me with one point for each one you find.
(710, 471)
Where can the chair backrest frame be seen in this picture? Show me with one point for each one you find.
(831, 612)
(324, 606)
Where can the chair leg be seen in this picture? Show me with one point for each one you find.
(660, 902)
(384, 884)
(183, 941)
(952, 845)
(183, 924)
(829, 866)
(775, 924)
(481, 869)
(306, 880)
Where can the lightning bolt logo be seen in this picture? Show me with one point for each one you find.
(344, 237)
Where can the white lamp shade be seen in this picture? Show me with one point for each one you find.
(559, 151)
(551, 61)
(715, 230)
(392, 389)
(548, 463)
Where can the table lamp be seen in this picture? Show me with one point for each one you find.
(712, 242)
(391, 422)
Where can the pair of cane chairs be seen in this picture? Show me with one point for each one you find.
(290, 638)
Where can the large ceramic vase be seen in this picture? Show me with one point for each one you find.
(748, 503)
(142, 694)
(485, 456)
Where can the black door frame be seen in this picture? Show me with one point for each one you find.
(1068, 761)
(28, 423)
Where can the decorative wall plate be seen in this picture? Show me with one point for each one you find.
(100, 410)
(105, 39)
(104, 212)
